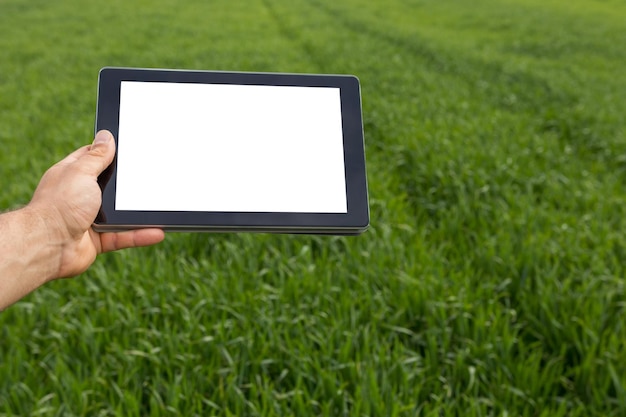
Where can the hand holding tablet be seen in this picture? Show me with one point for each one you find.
(226, 151)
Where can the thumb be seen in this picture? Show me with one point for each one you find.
(100, 154)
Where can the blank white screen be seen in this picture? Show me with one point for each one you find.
(224, 147)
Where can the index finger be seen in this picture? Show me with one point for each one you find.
(112, 241)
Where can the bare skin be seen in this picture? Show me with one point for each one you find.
(51, 237)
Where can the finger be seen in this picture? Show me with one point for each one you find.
(130, 239)
(99, 155)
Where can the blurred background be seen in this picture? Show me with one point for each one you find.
(489, 284)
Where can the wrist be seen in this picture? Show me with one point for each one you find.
(29, 259)
(43, 240)
(49, 220)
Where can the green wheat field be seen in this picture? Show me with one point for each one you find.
(491, 281)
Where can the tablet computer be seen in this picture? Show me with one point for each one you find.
(232, 151)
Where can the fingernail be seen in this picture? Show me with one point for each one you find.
(102, 136)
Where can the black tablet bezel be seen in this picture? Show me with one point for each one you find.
(354, 221)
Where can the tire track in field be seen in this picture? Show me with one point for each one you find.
(514, 90)
(522, 90)
(293, 35)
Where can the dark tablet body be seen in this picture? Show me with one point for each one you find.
(232, 151)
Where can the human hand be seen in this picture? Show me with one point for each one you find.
(68, 198)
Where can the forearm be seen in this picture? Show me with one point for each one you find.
(29, 257)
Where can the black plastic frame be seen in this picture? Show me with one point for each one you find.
(355, 221)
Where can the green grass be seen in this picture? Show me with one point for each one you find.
(490, 283)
